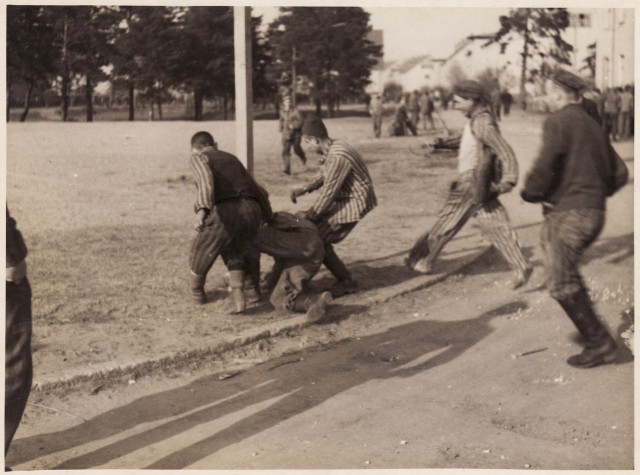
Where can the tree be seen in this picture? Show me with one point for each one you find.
(541, 30)
(331, 48)
(203, 61)
(31, 56)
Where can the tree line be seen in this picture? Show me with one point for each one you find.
(152, 53)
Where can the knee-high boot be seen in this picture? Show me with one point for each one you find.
(600, 348)
(252, 279)
(196, 288)
(345, 284)
(236, 282)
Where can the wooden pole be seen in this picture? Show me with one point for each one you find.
(244, 93)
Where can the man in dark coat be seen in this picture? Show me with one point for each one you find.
(572, 177)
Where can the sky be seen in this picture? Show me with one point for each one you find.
(413, 31)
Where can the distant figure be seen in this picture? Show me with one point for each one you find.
(487, 168)
(18, 366)
(402, 122)
(426, 111)
(571, 178)
(375, 109)
(506, 99)
(414, 108)
(495, 103)
(230, 207)
(611, 111)
(290, 124)
(345, 196)
(626, 111)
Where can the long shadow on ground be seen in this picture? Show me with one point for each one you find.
(301, 382)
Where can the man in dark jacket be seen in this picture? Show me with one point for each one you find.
(18, 370)
(230, 206)
(571, 178)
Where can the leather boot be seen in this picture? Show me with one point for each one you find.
(196, 288)
(315, 306)
(600, 348)
(252, 279)
(345, 284)
(236, 282)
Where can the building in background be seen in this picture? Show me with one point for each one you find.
(615, 52)
(603, 52)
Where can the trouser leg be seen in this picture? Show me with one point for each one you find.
(286, 155)
(297, 140)
(459, 207)
(495, 226)
(18, 362)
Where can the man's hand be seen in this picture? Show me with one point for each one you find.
(309, 215)
(297, 191)
(201, 215)
(501, 188)
(17, 273)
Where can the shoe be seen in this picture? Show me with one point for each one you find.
(343, 287)
(252, 295)
(422, 266)
(286, 172)
(318, 309)
(522, 277)
(595, 355)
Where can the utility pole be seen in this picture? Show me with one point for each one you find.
(244, 93)
(293, 76)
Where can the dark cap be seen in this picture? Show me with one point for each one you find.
(468, 89)
(568, 80)
(314, 126)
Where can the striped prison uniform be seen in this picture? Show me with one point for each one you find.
(572, 177)
(18, 367)
(485, 161)
(346, 192)
(236, 206)
(298, 252)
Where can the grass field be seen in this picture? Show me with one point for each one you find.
(106, 210)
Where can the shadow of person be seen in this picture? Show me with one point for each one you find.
(296, 386)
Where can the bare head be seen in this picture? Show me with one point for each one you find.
(202, 140)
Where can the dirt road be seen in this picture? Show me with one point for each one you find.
(463, 374)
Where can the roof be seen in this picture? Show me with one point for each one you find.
(408, 64)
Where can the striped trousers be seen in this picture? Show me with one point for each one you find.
(491, 217)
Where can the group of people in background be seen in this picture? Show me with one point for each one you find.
(615, 109)
(421, 110)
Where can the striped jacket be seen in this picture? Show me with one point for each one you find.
(346, 189)
(496, 162)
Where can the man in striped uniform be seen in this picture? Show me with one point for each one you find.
(345, 195)
(487, 167)
(572, 177)
(230, 206)
(290, 124)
